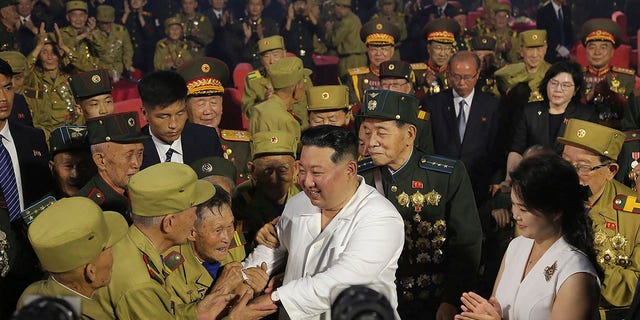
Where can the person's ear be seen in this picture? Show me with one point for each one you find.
(90, 272)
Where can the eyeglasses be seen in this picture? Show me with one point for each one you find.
(564, 86)
(458, 77)
(584, 169)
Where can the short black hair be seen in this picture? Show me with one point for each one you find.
(162, 88)
(220, 198)
(342, 140)
(5, 69)
(570, 67)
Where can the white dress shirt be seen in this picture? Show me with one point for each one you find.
(162, 148)
(456, 102)
(10, 145)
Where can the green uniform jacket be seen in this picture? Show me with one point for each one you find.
(199, 33)
(252, 209)
(511, 52)
(91, 309)
(619, 279)
(190, 281)
(274, 114)
(441, 83)
(629, 157)
(115, 50)
(138, 281)
(622, 82)
(443, 240)
(359, 80)
(257, 84)
(236, 148)
(170, 54)
(345, 39)
(508, 76)
(83, 56)
(104, 196)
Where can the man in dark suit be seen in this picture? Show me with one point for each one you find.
(164, 95)
(29, 24)
(555, 17)
(465, 124)
(24, 178)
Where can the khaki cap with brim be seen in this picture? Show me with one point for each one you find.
(272, 143)
(501, 7)
(105, 13)
(72, 232)
(591, 136)
(287, 72)
(172, 20)
(16, 60)
(601, 30)
(391, 105)
(533, 38)
(214, 166)
(77, 5)
(270, 43)
(117, 127)
(167, 188)
(321, 98)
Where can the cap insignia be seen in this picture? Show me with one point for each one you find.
(131, 122)
(95, 78)
(379, 26)
(205, 67)
(581, 133)
(534, 37)
(207, 167)
(274, 139)
(391, 67)
(325, 95)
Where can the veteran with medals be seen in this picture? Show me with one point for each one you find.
(434, 196)
(593, 150)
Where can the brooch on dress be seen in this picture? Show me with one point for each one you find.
(550, 270)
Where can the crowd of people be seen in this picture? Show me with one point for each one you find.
(448, 171)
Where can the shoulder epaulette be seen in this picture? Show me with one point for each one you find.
(173, 261)
(437, 163)
(146, 13)
(255, 74)
(202, 18)
(359, 70)
(419, 66)
(96, 195)
(365, 165)
(162, 44)
(623, 70)
(424, 115)
(33, 94)
(626, 203)
(238, 240)
(236, 135)
(34, 210)
(632, 135)
(375, 16)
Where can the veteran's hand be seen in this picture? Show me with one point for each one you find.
(257, 309)
(210, 307)
(257, 278)
(230, 277)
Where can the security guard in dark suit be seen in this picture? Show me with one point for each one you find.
(434, 196)
(118, 136)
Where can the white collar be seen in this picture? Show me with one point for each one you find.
(6, 133)
(556, 7)
(62, 285)
(468, 99)
(176, 145)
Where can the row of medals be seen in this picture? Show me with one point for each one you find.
(614, 255)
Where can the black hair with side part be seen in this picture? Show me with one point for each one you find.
(340, 139)
(570, 67)
(162, 88)
(5, 69)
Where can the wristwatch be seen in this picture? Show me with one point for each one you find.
(275, 297)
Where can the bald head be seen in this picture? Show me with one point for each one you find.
(464, 56)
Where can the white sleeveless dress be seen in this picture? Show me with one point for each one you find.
(533, 297)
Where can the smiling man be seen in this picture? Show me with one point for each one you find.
(339, 232)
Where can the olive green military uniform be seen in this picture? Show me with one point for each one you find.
(118, 54)
(442, 228)
(425, 87)
(85, 235)
(190, 281)
(104, 196)
(344, 39)
(8, 39)
(83, 53)
(616, 222)
(235, 148)
(486, 81)
(140, 276)
(198, 33)
(170, 53)
(509, 53)
(397, 19)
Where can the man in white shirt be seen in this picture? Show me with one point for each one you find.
(339, 232)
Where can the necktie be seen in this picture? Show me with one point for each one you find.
(462, 121)
(561, 21)
(8, 183)
(168, 154)
(439, 12)
(560, 17)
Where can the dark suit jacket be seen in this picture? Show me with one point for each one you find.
(478, 151)
(531, 125)
(20, 112)
(547, 19)
(197, 142)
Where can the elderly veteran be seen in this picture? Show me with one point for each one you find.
(77, 253)
(92, 92)
(18, 62)
(593, 150)
(116, 149)
(79, 35)
(206, 78)
(71, 164)
(329, 105)
(380, 37)
(434, 196)
(287, 77)
(258, 86)
(341, 35)
(172, 51)
(164, 198)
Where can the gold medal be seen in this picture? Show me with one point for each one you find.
(440, 227)
(433, 198)
(618, 241)
(599, 238)
(615, 83)
(417, 199)
(403, 199)
(417, 217)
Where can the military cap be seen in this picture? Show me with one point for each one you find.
(321, 98)
(172, 20)
(501, 7)
(391, 105)
(483, 43)
(287, 72)
(5, 68)
(16, 59)
(205, 76)
(533, 38)
(346, 3)
(72, 232)
(591, 136)
(397, 69)
(601, 30)
(105, 13)
(456, 11)
(117, 127)
(442, 30)
(379, 32)
(270, 43)
(266, 143)
(214, 166)
(167, 188)
(77, 5)
(88, 84)
(66, 138)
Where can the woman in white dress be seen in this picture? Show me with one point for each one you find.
(550, 271)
